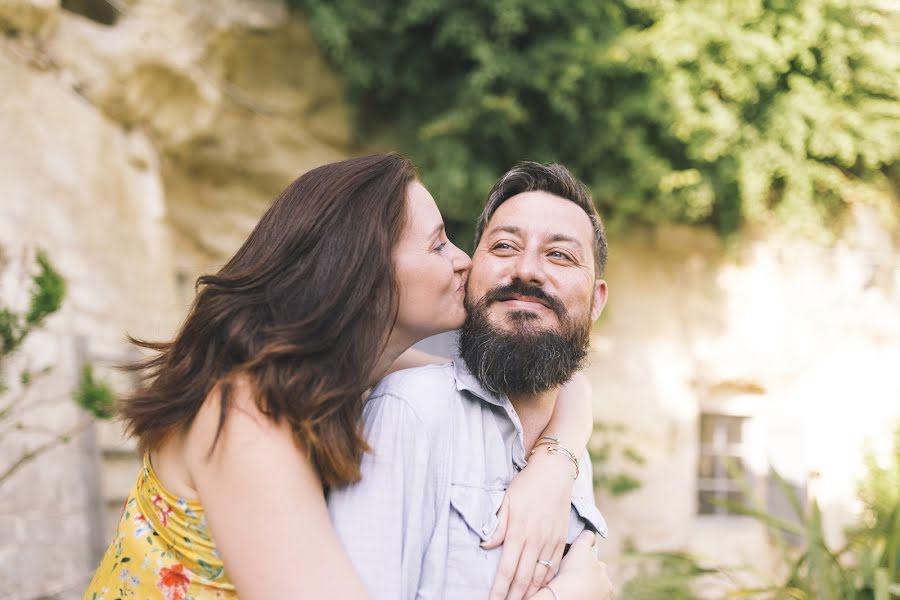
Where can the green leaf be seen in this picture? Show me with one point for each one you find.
(93, 395)
(48, 291)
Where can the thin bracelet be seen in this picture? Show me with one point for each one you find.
(552, 591)
(568, 455)
(557, 447)
(542, 443)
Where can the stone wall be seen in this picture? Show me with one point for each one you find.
(87, 192)
(139, 145)
(801, 339)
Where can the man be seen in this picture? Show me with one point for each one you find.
(447, 439)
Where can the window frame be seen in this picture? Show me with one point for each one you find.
(741, 407)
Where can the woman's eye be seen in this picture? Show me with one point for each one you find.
(502, 246)
(440, 247)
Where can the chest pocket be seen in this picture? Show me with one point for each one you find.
(473, 519)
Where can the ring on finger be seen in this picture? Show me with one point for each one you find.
(546, 563)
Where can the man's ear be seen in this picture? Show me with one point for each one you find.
(599, 300)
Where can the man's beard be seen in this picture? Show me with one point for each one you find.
(528, 359)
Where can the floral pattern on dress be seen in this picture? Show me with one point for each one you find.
(174, 582)
(162, 550)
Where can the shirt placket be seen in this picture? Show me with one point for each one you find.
(518, 446)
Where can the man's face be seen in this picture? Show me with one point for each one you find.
(531, 296)
(542, 246)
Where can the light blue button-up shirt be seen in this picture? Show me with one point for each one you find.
(444, 451)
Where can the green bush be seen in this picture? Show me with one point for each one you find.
(689, 111)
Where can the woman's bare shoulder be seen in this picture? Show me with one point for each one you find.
(237, 425)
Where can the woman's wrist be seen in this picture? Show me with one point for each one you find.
(554, 452)
(552, 463)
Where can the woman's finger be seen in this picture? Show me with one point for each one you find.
(525, 573)
(557, 557)
(509, 561)
(584, 542)
(542, 572)
(500, 532)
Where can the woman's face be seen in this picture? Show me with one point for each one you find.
(431, 272)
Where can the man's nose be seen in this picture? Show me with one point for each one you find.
(528, 268)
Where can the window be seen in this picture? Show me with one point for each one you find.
(722, 453)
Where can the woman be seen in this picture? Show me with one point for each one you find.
(252, 411)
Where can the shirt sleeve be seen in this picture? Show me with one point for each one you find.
(386, 519)
(584, 513)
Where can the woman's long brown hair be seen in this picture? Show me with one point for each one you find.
(303, 309)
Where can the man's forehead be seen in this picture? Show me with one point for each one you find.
(544, 215)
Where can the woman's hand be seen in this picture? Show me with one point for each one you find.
(581, 575)
(534, 516)
(534, 521)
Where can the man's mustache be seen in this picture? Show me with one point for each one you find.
(520, 288)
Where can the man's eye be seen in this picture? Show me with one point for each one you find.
(440, 247)
(562, 255)
(502, 246)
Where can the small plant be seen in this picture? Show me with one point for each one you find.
(608, 443)
(866, 567)
(46, 295)
(95, 396)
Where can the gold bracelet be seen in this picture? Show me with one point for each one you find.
(555, 446)
(567, 454)
(543, 443)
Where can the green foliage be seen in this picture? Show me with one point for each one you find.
(695, 111)
(46, 295)
(608, 443)
(669, 575)
(876, 540)
(865, 568)
(95, 396)
(47, 292)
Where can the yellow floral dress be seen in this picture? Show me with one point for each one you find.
(162, 549)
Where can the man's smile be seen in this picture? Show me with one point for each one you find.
(523, 302)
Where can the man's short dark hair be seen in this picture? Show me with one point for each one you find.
(529, 176)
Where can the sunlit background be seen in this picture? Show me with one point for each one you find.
(744, 155)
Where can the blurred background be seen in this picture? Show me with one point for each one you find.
(744, 155)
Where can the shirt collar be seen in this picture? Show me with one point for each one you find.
(466, 381)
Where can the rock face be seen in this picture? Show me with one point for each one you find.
(233, 95)
(89, 193)
(138, 149)
(141, 139)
